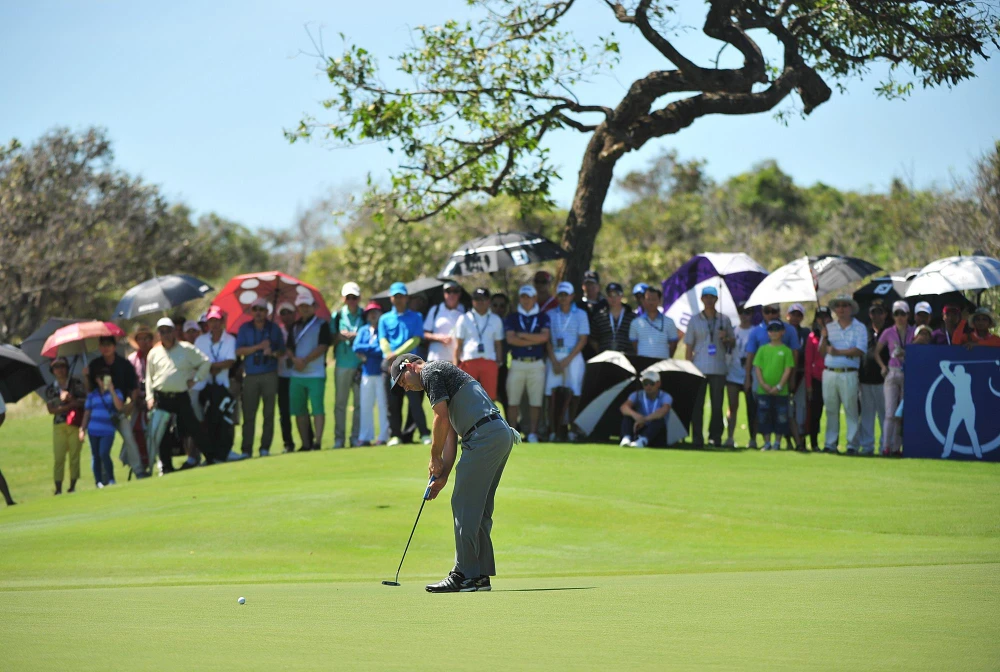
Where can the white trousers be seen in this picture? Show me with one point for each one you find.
(372, 394)
(841, 389)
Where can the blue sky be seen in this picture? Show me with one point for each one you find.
(195, 96)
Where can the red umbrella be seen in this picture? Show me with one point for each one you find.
(79, 338)
(273, 286)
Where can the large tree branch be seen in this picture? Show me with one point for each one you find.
(641, 21)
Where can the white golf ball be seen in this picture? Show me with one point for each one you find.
(242, 600)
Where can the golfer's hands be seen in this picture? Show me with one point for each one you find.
(436, 468)
(437, 486)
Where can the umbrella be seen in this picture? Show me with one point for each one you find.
(79, 338)
(501, 251)
(808, 278)
(159, 294)
(956, 274)
(611, 376)
(892, 287)
(19, 375)
(431, 288)
(274, 286)
(734, 275)
(32, 346)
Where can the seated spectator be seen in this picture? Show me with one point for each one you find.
(982, 322)
(814, 375)
(735, 378)
(65, 398)
(368, 350)
(922, 314)
(951, 316)
(102, 408)
(527, 332)
(657, 336)
(543, 285)
(773, 365)
(610, 327)
(569, 329)
(440, 323)
(644, 414)
(261, 344)
(894, 340)
(220, 348)
(479, 342)
(709, 335)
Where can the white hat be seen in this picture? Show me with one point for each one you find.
(191, 324)
(165, 322)
(305, 300)
(527, 290)
(651, 376)
(350, 288)
(564, 288)
(923, 307)
(797, 307)
(285, 305)
(260, 302)
(900, 305)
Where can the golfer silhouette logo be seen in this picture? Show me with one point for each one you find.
(964, 410)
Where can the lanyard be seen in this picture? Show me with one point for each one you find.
(527, 330)
(615, 327)
(296, 337)
(563, 323)
(660, 321)
(472, 316)
(646, 401)
(711, 328)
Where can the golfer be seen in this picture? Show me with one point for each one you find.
(461, 406)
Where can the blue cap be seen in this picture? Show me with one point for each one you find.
(398, 288)
(640, 288)
(710, 291)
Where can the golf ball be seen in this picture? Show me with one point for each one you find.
(242, 600)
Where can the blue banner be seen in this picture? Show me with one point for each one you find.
(952, 403)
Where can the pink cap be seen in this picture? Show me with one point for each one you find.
(214, 313)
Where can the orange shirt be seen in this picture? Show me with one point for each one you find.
(961, 338)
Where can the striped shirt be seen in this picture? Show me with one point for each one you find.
(611, 333)
(653, 337)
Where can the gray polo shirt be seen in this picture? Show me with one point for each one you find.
(467, 400)
(702, 334)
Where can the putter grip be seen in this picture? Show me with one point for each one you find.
(427, 492)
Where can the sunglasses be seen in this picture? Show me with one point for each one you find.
(648, 383)
(899, 313)
(769, 311)
(453, 290)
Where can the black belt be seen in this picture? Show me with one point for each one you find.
(840, 370)
(168, 395)
(482, 421)
(527, 359)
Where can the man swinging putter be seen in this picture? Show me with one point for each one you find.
(461, 406)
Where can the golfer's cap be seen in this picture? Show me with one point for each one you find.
(951, 308)
(305, 300)
(285, 305)
(527, 290)
(775, 325)
(710, 291)
(259, 302)
(450, 284)
(564, 288)
(796, 307)
(165, 322)
(480, 293)
(651, 376)
(591, 276)
(396, 370)
(398, 288)
(350, 289)
(191, 325)
(214, 313)
(614, 287)
(900, 305)
(543, 276)
(640, 288)
(923, 307)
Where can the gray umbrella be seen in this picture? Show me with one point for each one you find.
(159, 294)
(500, 252)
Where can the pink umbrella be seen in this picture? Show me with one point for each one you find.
(79, 338)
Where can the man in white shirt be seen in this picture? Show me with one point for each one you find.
(709, 336)
(440, 323)
(478, 341)
(220, 348)
(842, 345)
(657, 336)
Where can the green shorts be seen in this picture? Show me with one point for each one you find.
(301, 389)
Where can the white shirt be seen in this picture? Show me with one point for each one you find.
(475, 329)
(221, 351)
(442, 320)
(653, 336)
(854, 336)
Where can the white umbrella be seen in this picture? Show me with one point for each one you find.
(808, 278)
(956, 274)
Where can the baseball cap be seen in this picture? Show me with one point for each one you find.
(710, 291)
(450, 284)
(775, 325)
(876, 306)
(203, 317)
(640, 288)
(564, 288)
(614, 287)
(397, 369)
(543, 276)
(165, 322)
(481, 293)
(797, 307)
(527, 290)
(214, 313)
(372, 305)
(259, 302)
(191, 324)
(923, 307)
(951, 308)
(823, 310)
(900, 305)
(651, 376)
(922, 327)
(305, 300)
(591, 276)
(398, 288)
(285, 305)
(350, 288)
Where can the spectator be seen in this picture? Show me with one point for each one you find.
(100, 418)
(261, 344)
(922, 314)
(871, 385)
(773, 364)
(286, 320)
(191, 331)
(439, 326)
(344, 326)
(400, 332)
(592, 301)
(220, 348)
(982, 321)
(4, 490)
(709, 336)
(308, 341)
(564, 370)
(656, 337)
(203, 322)
(644, 414)
(479, 341)
(125, 381)
(736, 377)
(639, 292)
(796, 385)
(527, 331)
(172, 368)
(759, 337)
(922, 335)
(65, 398)
(894, 339)
(141, 342)
(543, 285)
(369, 351)
(842, 345)
(610, 327)
(500, 306)
(814, 375)
(951, 315)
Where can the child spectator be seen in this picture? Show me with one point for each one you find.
(773, 364)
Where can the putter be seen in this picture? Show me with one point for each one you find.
(427, 495)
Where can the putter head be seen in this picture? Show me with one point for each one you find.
(389, 583)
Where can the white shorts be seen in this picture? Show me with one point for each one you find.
(571, 377)
(526, 378)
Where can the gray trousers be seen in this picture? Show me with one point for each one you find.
(258, 387)
(477, 475)
(130, 448)
(344, 379)
(716, 386)
(872, 406)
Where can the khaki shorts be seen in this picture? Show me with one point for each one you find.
(526, 378)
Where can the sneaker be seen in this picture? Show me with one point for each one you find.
(626, 441)
(455, 582)
(766, 447)
(394, 441)
(730, 443)
(483, 583)
(100, 486)
(234, 456)
(641, 442)
(264, 452)
(426, 439)
(532, 438)
(339, 443)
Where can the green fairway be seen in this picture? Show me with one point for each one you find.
(608, 558)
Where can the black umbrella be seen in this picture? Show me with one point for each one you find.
(32, 346)
(430, 288)
(612, 376)
(501, 251)
(159, 294)
(891, 288)
(833, 271)
(19, 376)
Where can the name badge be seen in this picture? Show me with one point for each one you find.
(712, 350)
(559, 343)
(482, 347)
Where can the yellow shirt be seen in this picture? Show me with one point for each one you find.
(170, 370)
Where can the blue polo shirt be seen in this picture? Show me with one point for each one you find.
(249, 335)
(366, 344)
(758, 337)
(517, 322)
(398, 328)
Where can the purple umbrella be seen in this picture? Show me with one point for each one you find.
(734, 275)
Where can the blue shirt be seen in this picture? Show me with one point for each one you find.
(758, 337)
(101, 406)
(366, 343)
(517, 322)
(398, 328)
(249, 335)
(643, 404)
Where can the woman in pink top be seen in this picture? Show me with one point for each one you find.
(814, 376)
(895, 340)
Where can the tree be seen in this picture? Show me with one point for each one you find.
(482, 95)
